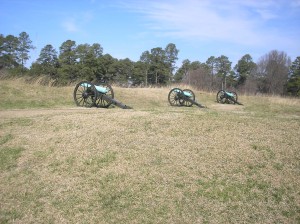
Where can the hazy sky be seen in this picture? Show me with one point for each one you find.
(127, 28)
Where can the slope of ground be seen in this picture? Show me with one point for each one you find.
(152, 164)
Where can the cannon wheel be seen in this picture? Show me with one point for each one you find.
(232, 99)
(175, 98)
(187, 103)
(235, 96)
(221, 96)
(100, 102)
(85, 94)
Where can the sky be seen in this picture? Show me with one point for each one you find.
(127, 28)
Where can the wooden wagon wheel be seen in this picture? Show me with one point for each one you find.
(175, 97)
(105, 89)
(189, 93)
(221, 98)
(235, 96)
(85, 94)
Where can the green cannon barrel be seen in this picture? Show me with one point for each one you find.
(98, 88)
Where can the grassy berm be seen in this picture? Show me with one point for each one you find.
(152, 164)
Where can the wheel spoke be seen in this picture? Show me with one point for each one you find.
(100, 102)
(174, 97)
(84, 94)
(82, 99)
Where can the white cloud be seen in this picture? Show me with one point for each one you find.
(232, 27)
(235, 21)
(266, 14)
(76, 24)
(70, 26)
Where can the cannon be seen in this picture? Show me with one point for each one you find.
(186, 97)
(227, 97)
(87, 94)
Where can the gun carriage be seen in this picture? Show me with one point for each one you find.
(227, 97)
(87, 94)
(186, 97)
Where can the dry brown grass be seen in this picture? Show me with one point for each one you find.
(152, 164)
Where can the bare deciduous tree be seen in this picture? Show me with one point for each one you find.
(272, 72)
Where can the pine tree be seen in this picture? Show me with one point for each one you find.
(48, 61)
(293, 86)
(24, 46)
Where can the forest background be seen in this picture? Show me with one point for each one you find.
(274, 73)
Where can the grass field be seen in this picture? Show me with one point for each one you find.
(152, 164)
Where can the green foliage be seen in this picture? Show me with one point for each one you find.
(87, 61)
(8, 51)
(106, 66)
(139, 74)
(293, 85)
(223, 66)
(158, 69)
(171, 57)
(48, 57)
(14, 51)
(24, 46)
(123, 70)
(209, 75)
(47, 63)
(67, 59)
(183, 70)
(244, 68)
(231, 80)
(155, 67)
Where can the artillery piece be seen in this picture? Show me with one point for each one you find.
(186, 97)
(87, 94)
(227, 97)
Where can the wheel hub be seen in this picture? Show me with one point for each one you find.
(85, 95)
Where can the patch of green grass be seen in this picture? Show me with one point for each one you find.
(272, 105)
(43, 154)
(290, 213)
(257, 167)
(24, 104)
(5, 138)
(117, 200)
(7, 216)
(114, 200)
(226, 190)
(20, 95)
(101, 161)
(9, 157)
(56, 166)
(268, 153)
(278, 194)
(70, 161)
(22, 122)
(278, 166)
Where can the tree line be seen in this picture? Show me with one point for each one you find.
(274, 73)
